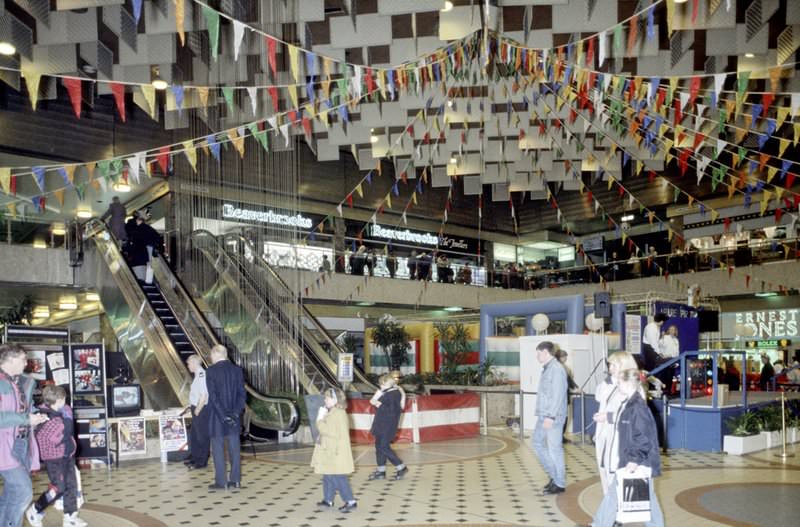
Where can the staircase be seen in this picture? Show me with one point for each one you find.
(174, 330)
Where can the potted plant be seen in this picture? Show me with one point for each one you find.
(769, 420)
(744, 435)
(391, 337)
(453, 345)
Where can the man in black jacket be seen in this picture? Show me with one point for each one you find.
(226, 400)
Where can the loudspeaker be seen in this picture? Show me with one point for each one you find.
(602, 304)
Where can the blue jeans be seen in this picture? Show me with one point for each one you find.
(550, 450)
(331, 483)
(218, 452)
(607, 513)
(17, 495)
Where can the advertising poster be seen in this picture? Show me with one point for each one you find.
(87, 369)
(172, 433)
(633, 334)
(131, 436)
(88, 381)
(37, 367)
(345, 367)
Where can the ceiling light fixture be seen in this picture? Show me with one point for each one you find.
(450, 103)
(68, 303)
(157, 82)
(749, 55)
(373, 138)
(84, 213)
(681, 1)
(122, 186)
(59, 229)
(7, 48)
(454, 309)
(448, 5)
(453, 160)
(766, 294)
(92, 297)
(41, 312)
(627, 217)
(39, 243)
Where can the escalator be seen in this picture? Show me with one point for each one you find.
(158, 327)
(257, 308)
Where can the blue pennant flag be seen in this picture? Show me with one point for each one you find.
(469, 106)
(771, 126)
(785, 164)
(570, 52)
(137, 10)
(774, 246)
(428, 104)
(646, 122)
(214, 146)
(702, 210)
(526, 102)
(390, 82)
(63, 172)
(419, 186)
(38, 174)
(310, 93)
(395, 190)
(762, 140)
(343, 114)
(759, 185)
(312, 236)
(748, 199)
(354, 246)
(625, 158)
(653, 89)
(369, 177)
(756, 113)
(752, 167)
(437, 72)
(177, 91)
(713, 263)
(509, 107)
(37, 203)
(311, 64)
(651, 30)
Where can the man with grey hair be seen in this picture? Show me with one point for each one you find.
(551, 413)
(19, 453)
(226, 400)
(198, 400)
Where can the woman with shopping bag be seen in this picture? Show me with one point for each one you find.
(639, 462)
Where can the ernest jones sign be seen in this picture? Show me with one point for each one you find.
(769, 323)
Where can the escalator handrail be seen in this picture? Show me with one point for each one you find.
(97, 227)
(305, 311)
(326, 369)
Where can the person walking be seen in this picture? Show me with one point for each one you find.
(637, 446)
(116, 220)
(19, 454)
(57, 448)
(389, 402)
(412, 265)
(610, 399)
(551, 413)
(198, 402)
(652, 334)
(333, 457)
(767, 374)
(226, 400)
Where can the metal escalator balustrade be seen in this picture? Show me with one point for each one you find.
(165, 330)
(248, 316)
(259, 271)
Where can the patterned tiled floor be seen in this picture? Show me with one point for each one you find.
(487, 481)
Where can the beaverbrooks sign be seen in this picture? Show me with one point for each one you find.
(232, 212)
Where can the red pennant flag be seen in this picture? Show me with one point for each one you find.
(292, 116)
(695, 10)
(307, 127)
(590, 52)
(404, 177)
(747, 280)
(630, 245)
(119, 97)
(683, 161)
(694, 88)
(542, 128)
(796, 197)
(727, 223)
(163, 159)
(790, 183)
(271, 55)
(678, 112)
(350, 200)
(698, 139)
(621, 191)
(651, 176)
(589, 196)
(73, 87)
(766, 101)
(662, 96)
(12, 186)
(273, 94)
(778, 215)
(730, 271)
(370, 80)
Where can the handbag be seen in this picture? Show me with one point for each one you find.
(633, 495)
(148, 275)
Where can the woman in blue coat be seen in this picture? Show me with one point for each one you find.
(389, 402)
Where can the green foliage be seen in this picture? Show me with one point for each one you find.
(349, 343)
(484, 374)
(764, 419)
(391, 337)
(21, 312)
(266, 412)
(453, 345)
(746, 424)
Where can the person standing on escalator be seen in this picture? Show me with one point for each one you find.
(116, 220)
(144, 242)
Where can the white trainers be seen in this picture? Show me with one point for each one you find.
(72, 520)
(34, 518)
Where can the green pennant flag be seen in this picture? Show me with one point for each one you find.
(104, 167)
(676, 194)
(723, 116)
(227, 92)
(341, 92)
(741, 83)
(212, 21)
(742, 153)
(117, 166)
(261, 136)
(617, 40)
(80, 190)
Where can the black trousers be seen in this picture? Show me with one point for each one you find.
(383, 451)
(649, 356)
(63, 482)
(198, 437)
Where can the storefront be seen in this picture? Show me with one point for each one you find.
(768, 331)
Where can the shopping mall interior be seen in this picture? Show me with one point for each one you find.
(356, 194)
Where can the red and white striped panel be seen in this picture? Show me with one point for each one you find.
(454, 416)
(361, 415)
(425, 418)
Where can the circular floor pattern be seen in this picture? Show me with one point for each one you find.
(97, 515)
(723, 503)
(454, 451)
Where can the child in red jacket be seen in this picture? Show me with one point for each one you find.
(57, 449)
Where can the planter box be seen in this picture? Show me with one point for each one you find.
(772, 439)
(739, 445)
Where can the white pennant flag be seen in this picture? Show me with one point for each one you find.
(252, 91)
(719, 80)
(728, 5)
(374, 219)
(405, 222)
(630, 200)
(273, 123)
(795, 103)
(285, 133)
(596, 206)
(445, 216)
(684, 97)
(238, 36)
(558, 214)
(419, 151)
(698, 120)
(720, 146)
(601, 53)
(606, 81)
(356, 81)
(134, 163)
(339, 209)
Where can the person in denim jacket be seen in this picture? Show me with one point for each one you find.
(551, 414)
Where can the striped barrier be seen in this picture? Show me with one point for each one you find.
(425, 418)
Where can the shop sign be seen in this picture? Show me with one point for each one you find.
(768, 344)
(766, 324)
(594, 243)
(232, 212)
(420, 238)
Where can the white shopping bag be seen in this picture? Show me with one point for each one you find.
(59, 504)
(148, 276)
(633, 495)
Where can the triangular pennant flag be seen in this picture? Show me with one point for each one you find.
(227, 94)
(59, 196)
(119, 97)
(212, 22)
(163, 159)
(73, 87)
(238, 36)
(5, 180)
(38, 175)
(180, 14)
(237, 140)
(191, 154)
(271, 52)
(252, 92)
(32, 80)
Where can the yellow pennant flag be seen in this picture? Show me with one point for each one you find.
(90, 169)
(670, 15)
(639, 167)
(326, 69)
(782, 145)
(202, 94)
(414, 197)
(12, 210)
(771, 171)
(294, 62)
(5, 179)
(731, 189)
(237, 141)
(32, 80)
(778, 193)
(669, 234)
(775, 79)
(783, 113)
(765, 197)
(650, 216)
(785, 251)
(293, 95)
(323, 118)
(149, 94)
(714, 215)
(388, 200)
(735, 157)
(191, 154)
(70, 170)
(180, 14)
(59, 196)
(326, 88)
(796, 133)
(359, 191)
(739, 136)
(581, 188)
(730, 105)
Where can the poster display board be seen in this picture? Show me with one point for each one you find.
(87, 369)
(131, 436)
(633, 333)
(172, 433)
(92, 429)
(85, 372)
(345, 367)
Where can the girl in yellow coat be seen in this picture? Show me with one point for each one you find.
(332, 455)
